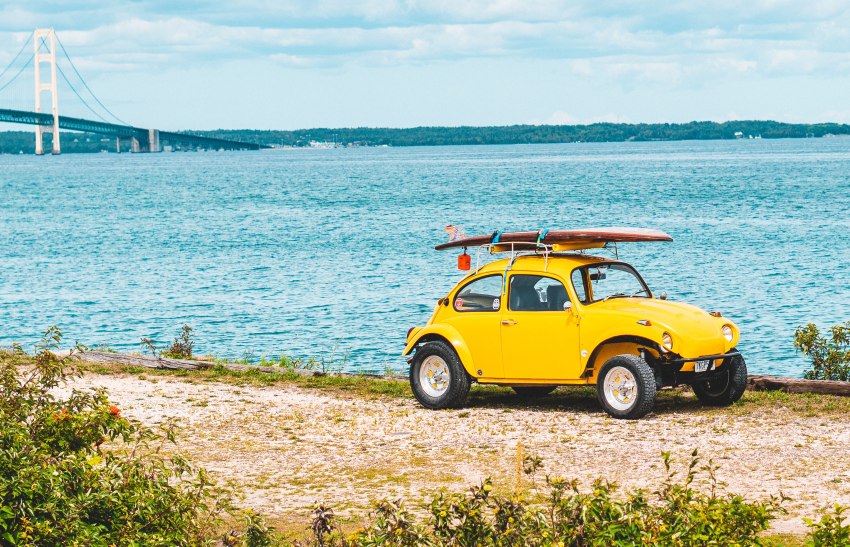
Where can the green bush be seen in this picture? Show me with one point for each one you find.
(830, 358)
(830, 530)
(180, 348)
(59, 485)
(674, 515)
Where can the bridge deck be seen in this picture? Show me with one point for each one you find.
(122, 131)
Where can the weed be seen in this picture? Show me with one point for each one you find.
(257, 532)
(181, 347)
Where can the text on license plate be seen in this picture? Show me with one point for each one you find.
(702, 366)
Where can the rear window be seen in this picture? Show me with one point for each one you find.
(483, 294)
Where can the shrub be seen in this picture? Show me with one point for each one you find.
(830, 358)
(830, 530)
(675, 515)
(257, 532)
(59, 485)
(181, 347)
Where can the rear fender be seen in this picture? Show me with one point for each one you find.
(444, 333)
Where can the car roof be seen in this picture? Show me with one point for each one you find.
(561, 264)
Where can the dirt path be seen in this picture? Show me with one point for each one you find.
(287, 447)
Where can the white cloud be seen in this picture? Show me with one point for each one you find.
(659, 44)
(623, 51)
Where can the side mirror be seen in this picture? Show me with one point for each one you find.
(568, 306)
(662, 295)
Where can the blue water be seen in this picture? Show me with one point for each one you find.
(330, 252)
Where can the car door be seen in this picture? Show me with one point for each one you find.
(539, 337)
(478, 304)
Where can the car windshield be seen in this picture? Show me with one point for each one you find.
(615, 280)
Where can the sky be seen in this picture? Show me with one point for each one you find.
(277, 64)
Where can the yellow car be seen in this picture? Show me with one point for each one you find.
(548, 314)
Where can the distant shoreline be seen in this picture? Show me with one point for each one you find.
(15, 142)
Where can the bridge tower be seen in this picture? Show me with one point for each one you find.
(46, 37)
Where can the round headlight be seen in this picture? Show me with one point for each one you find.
(727, 332)
(667, 340)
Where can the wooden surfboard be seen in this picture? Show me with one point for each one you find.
(565, 239)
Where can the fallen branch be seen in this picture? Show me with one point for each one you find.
(158, 362)
(798, 385)
(147, 361)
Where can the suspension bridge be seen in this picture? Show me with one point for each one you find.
(108, 125)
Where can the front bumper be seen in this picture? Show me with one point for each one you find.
(681, 361)
(671, 373)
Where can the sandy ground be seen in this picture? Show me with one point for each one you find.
(287, 447)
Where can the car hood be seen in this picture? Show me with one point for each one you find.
(681, 320)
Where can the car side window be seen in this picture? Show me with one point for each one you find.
(483, 294)
(578, 284)
(536, 293)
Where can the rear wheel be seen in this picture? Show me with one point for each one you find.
(626, 387)
(530, 392)
(725, 388)
(437, 377)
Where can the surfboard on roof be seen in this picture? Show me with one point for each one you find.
(584, 238)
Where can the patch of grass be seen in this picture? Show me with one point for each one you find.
(783, 540)
(356, 384)
(575, 398)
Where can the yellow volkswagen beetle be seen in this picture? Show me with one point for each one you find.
(549, 314)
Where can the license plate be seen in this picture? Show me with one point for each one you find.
(702, 366)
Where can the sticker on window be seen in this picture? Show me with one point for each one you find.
(495, 303)
(458, 303)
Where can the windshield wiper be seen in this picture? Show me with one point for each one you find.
(623, 295)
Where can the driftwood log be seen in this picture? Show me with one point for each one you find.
(798, 385)
(147, 361)
(755, 382)
(152, 361)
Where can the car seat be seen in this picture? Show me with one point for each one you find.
(556, 296)
(525, 298)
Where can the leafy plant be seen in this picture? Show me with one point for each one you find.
(60, 485)
(830, 530)
(257, 532)
(675, 515)
(830, 358)
(323, 525)
(392, 526)
(181, 347)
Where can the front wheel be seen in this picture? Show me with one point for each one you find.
(725, 388)
(437, 377)
(626, 387)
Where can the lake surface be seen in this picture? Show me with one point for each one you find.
(329, 253)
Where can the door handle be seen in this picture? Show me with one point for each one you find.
(508, 322)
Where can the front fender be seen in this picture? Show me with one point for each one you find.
(448, 334)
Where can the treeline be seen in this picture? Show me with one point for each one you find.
(533, 134)
(13, 142)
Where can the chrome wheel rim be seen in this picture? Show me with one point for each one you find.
(620, 388)
(434, 376)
